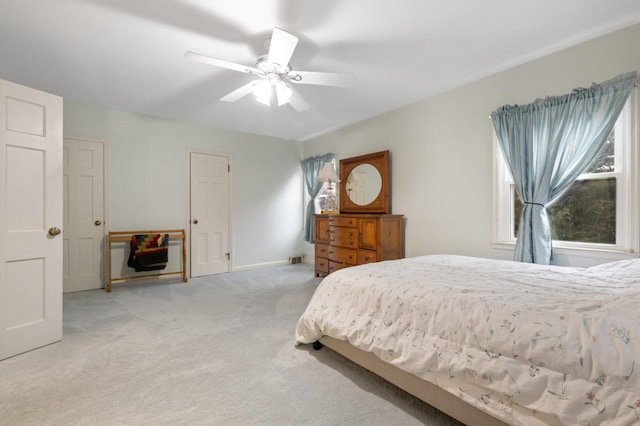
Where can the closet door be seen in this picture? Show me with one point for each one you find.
(84, 228)
(209, 212)
(30, 219)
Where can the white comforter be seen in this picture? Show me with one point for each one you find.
(530, 344)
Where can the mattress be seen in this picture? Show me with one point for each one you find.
(529, 344)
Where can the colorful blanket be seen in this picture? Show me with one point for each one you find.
(149, 252)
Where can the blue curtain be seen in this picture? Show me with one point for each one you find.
(310, 169)
(548, 144)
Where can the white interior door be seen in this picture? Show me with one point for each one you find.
(209, 208)
(30, 219)
(358, 192)
(83, 224)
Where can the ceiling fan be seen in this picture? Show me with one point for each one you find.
(275, 72)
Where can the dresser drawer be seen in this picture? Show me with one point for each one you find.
(334, 266)
(343, 237)
(339, 241)
(322, 250)
(343, 255)
(322, 266)
(349, 222)
(365, 256)
(351, 242)
(342, 232)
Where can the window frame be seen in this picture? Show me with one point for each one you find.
(627, 161)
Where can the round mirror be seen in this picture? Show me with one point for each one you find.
(363, 184)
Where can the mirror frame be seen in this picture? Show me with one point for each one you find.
(381, 204)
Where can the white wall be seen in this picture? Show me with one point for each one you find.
(148, 179)
(441, 148)
(441, 161)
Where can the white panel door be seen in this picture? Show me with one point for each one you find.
(209, 205)
(358, 193)
(83, 214)
(30, 219)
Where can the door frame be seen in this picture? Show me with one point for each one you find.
(106, 195)
(187, 226)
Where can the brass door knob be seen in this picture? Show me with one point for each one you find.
(54, 231)
(97, 223)
(195, 221)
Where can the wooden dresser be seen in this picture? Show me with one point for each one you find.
(344, 240)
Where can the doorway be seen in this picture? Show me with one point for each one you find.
(209, 217)
(84, 213)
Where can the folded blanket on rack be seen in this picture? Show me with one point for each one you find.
(149, 252)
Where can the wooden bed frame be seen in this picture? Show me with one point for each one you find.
(426, 391)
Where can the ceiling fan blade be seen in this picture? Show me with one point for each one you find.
(239, 93)
(282, 46)
(297, 102)
(321, 78)
(220, 63)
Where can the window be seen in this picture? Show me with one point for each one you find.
(599, 211)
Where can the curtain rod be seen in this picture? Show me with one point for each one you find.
(636, 83)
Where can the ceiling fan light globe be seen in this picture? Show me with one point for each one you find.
(264, 101)
(283, 93)
(262, 90)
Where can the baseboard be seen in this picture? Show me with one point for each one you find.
(259, 265)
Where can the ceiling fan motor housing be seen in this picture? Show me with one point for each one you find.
(271, 68)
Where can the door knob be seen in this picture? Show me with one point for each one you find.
(54, 231)
(195, 221)
(97, 223)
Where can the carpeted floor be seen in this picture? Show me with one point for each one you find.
(216, 351)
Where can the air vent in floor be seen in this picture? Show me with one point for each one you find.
(296, 259)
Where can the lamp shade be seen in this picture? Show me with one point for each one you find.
(328, 174)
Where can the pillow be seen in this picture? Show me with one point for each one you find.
(625, 265)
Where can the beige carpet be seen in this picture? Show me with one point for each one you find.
(216, 351)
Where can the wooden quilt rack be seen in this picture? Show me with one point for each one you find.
(125, 236)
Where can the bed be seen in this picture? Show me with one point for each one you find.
(490, 341)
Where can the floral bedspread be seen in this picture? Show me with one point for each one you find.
(530, 344)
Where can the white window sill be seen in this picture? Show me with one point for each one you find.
(604, 253)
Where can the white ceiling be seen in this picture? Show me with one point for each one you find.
(128, 54)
